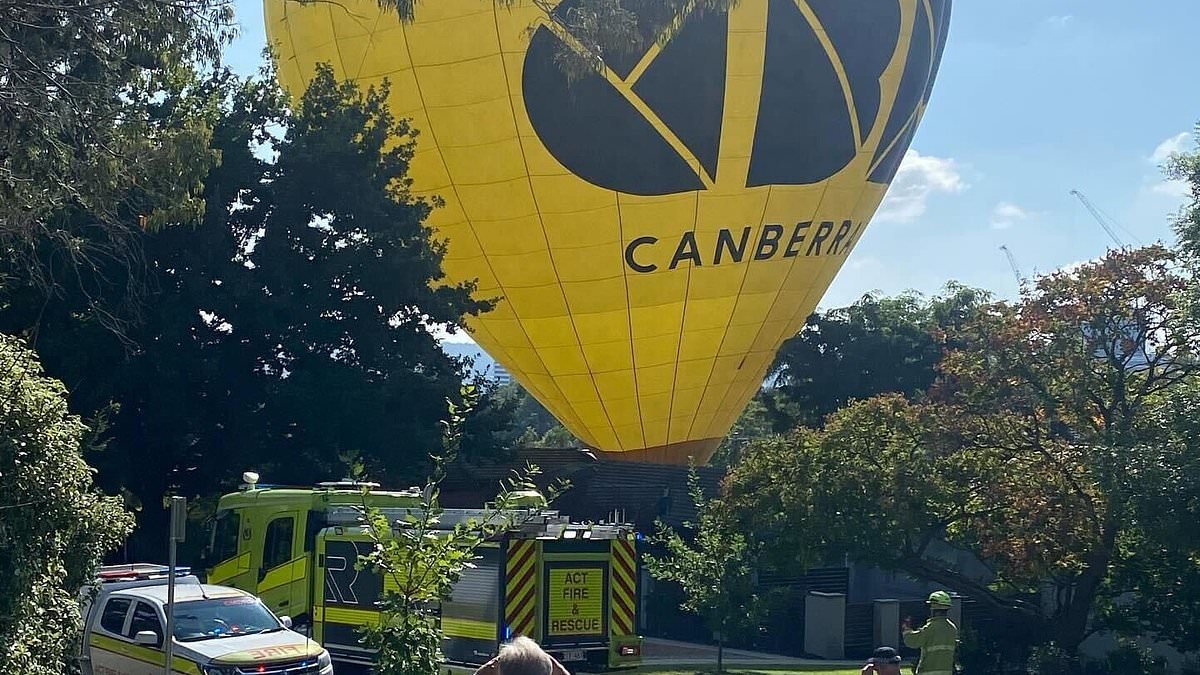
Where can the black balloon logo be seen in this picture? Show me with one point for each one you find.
(809, 126)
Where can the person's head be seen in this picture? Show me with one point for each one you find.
(523, 656)
(886, 661)
(939, 603)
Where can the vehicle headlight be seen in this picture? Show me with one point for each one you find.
(323, 661)
(220, 670)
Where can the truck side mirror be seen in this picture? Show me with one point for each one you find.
(146, 637)
(286, 621)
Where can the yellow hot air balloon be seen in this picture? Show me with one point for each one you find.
(656, 230)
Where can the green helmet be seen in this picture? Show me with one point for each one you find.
(939, 599)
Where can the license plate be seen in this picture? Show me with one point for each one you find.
(574, 655)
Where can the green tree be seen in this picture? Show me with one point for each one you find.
(422, 559)
(755, 423)
(875, 346)
(1036, 458)
(714, 565)
(89, 157)
(535, 426)
(1186, 167)
(286, 329)
(54, 525)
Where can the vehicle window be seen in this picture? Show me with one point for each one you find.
(113, 618)
(145, 618)
(278, 547)
(222, 617)
(225, 536)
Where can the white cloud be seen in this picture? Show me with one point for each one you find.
(1071, 268)
(1176, 189)
(1007, 214)
(1174, 144)
(920, 176)
(1060, 20)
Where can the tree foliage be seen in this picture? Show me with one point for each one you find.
(1026, 478)
(422, 559)
(54, 525)
(89, 156)
(756, 422)
(1186, 167)
(535, 427)
(286, 329)
(876, 345)
(714, 565)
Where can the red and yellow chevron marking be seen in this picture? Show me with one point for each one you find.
(520, 594)
(624, 588)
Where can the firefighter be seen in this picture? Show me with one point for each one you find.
(937, 639)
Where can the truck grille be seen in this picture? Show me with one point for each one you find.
(304, 667)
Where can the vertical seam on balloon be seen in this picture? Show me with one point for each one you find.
(370, 44)
(454, 188)
(337, 43)
(687, 292)
(736, 299)
(766, 18)
(790, 269)
(292, 38)
(637, 398)
(546, 238)
(857, 238)
(839, 69)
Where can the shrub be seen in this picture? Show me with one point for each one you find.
(54, 525)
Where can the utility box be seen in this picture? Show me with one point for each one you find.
(825, 625)
(886, 632)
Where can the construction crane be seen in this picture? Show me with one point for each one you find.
(1099, 216)
(1012, 262)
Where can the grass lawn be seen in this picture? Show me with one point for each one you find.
(753, 671)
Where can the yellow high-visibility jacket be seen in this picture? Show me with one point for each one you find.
(937, 640)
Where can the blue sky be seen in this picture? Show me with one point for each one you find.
(1035, 98)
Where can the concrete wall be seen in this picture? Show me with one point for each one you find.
(825, 625)
(887, 624)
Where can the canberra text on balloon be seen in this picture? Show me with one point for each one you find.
(805, 239)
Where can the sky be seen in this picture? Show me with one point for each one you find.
(1035, 98)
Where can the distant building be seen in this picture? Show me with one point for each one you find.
(501, 375)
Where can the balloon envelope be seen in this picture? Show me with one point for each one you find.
(653, 231)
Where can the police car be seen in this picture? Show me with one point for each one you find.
(218, 630)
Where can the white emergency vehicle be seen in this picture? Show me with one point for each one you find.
(218, 630)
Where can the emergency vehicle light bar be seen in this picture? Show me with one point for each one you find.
(139, 572)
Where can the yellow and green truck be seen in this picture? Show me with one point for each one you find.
(570, 586)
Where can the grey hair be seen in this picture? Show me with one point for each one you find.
(523, 656)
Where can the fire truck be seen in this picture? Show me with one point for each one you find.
(570, 586)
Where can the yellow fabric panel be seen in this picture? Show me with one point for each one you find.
(643, 318)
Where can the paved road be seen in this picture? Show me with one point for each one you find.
(660, 653)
